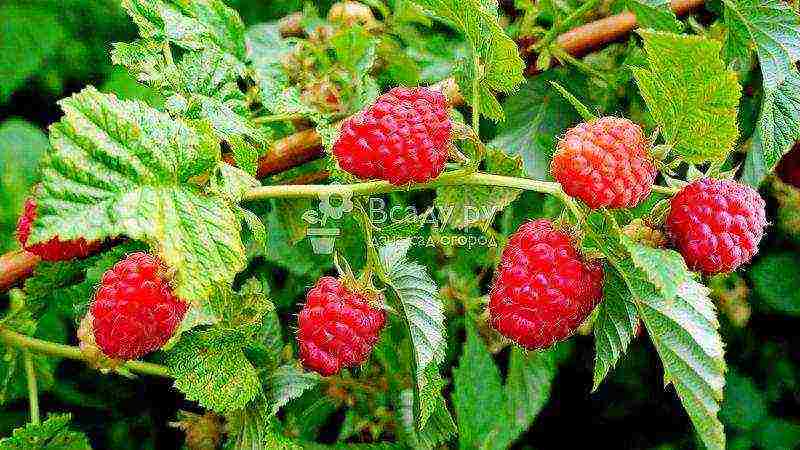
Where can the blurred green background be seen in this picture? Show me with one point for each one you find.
(52, 48)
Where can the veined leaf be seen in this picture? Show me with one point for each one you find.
(471, 205)
(251, 428)
(691, 95)
(51, 434)
(774, 28)
(192, 25)
(122, 168)
(655, 14)
(438, 429)
(421, 308)
(685, 333)
(528, 385)
(210, 367)
(287, 383)
(266, 50)
(478, 389)
(614, 327)
(664, 268)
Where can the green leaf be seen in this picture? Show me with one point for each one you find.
(210, 367)
(537, 114)
(122, 168)
(774, 28)
(478, 389)
(438, 429)
(685, 333)
(498, 54)
(355, 49)
(745, 405)
(266, 51)
(287, 383)
(614, 327)
(471, 205)
(664, 268)
(528, 385)
(691, 95)
(777, 288)
(655, 14)
(192, 25)
(51, 434)
(422, 310)
(251, 428)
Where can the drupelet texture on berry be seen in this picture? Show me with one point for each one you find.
(54, 249)
(135, 311)
(337, 327)
(403, 138)
(605, 163)
(543, 289)
(716, 224)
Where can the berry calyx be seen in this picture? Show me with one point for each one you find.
(403, 138)
(543, 289)
(135, 311)
(606, 163)
(54, 249)
(337, 327)
(716, 224)
(642, 233)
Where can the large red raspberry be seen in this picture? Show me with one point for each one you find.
(543, 290)
(716, 224)
(789, 168)
(402, 138)
(605, 162)
(134, 309)
(337, 327)
(54, 249)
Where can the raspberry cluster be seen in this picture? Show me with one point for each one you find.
(337, 327)
(402, 138)
(543, 289)
(605, 163)
(134, 309)
(54, 249)
(716, 224)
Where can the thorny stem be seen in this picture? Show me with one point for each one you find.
(39, 346)
(33, 390)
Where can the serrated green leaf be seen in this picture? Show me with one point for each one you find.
(210, 368)
(774, 28)
(655, 14)
(287, 383)
(691, 95)
(478, 388)
(438, 429)
(122, 168)
(664, 268)
(422, 310)
(470, 205)
(252, 428)
(614, 327)
(355, 49)
(266, 51)
(52, 434)
(192, 25)
(528, 385)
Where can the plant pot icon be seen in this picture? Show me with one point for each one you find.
(322, 239)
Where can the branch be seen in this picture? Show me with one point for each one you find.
(14, 339)
(16, 265)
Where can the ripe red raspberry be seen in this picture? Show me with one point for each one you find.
(337, 327)
(54, 249)
(134, 309)
(402, 138)
(543, 290)
(716, 224)
(605, 163)
(789, 167)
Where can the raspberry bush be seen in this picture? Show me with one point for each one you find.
(405, 224)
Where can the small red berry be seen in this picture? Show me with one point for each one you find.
(337, 327)
(134, 309)
(402, 138)
(605, 163)
(789, 167)
(716, 224)
(543, 289)
(54, 249)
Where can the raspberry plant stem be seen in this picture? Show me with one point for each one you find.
(33, 390)
(14, 339)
